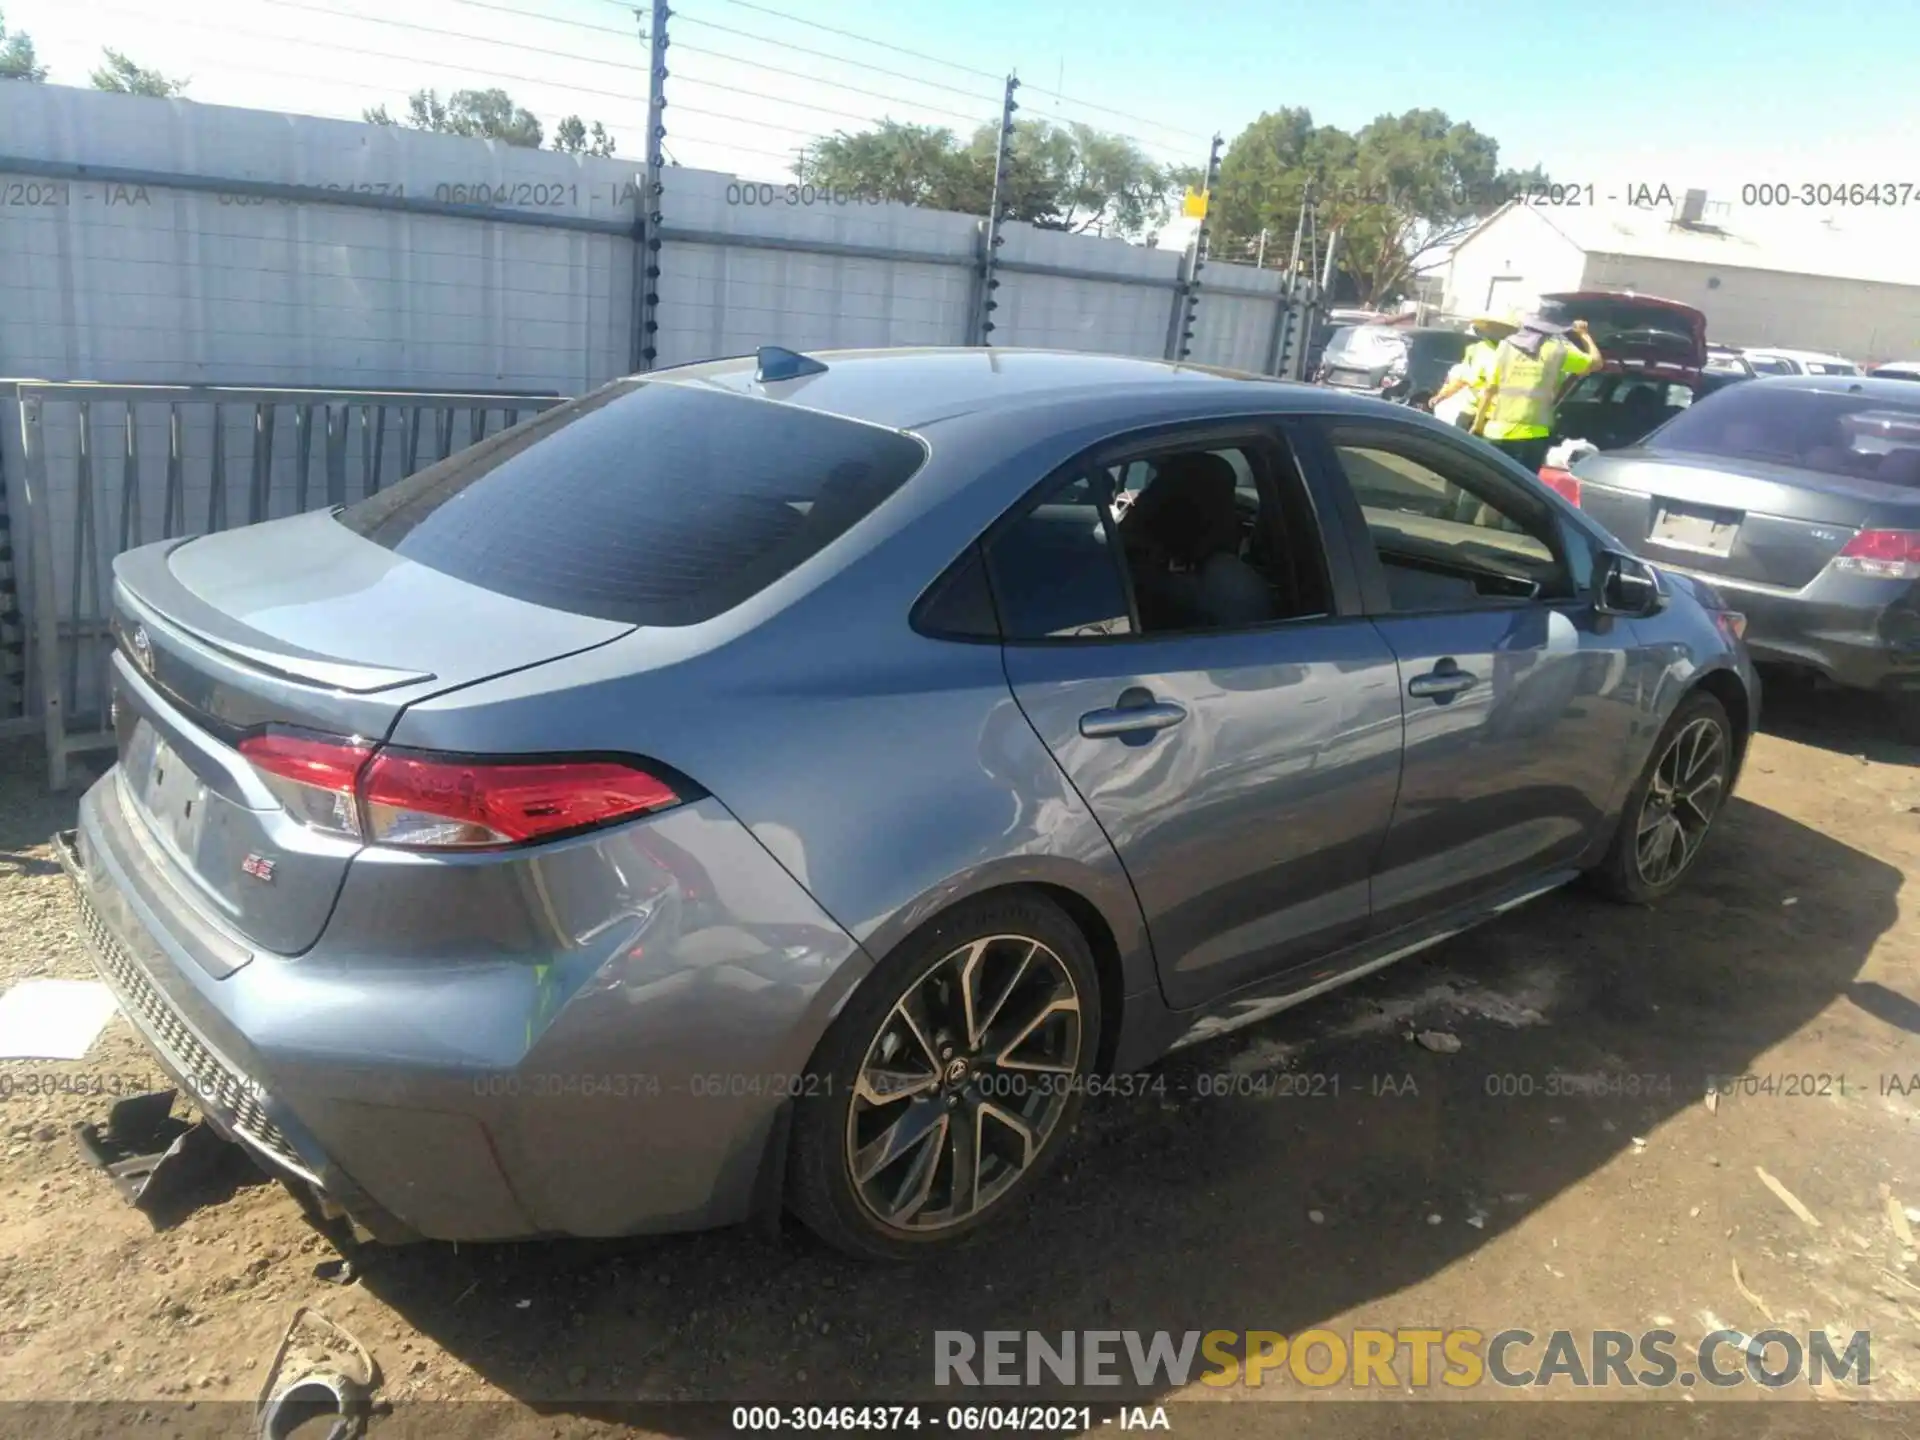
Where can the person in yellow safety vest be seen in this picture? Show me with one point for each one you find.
(1520, 382)
(1489, 330)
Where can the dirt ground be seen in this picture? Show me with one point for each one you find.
(1434, 1189)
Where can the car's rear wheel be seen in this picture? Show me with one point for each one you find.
(1672, 805)
(950, 1082)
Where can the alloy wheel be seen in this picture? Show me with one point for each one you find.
(964, 1084)
(1681, 801)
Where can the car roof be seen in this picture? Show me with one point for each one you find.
(1868, 385)
(907, 388)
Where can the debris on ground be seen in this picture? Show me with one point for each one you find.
(1787, 1197)
(319, 1369)
(1740, 1284)
(1438, 1041)
(1897, 1219)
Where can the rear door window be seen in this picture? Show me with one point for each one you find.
(1056, 570)
(644, 502)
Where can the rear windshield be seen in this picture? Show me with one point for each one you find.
(1365, 345)
(646, 503)
(1862, 436)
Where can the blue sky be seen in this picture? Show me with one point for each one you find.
(1613, 91)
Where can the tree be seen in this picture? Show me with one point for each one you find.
(17, 60)
(478, 114)
(573, 137)
(1398, 191)
(1059, 177)
(124, 77)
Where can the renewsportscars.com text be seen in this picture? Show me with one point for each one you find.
(1399, 1359)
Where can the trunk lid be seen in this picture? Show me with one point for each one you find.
(297, 622)
(1634, 330)
(1740, 520)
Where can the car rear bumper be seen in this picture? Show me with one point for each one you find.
(468, 1054)
(1858, 632)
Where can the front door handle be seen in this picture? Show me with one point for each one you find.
(1442, 682)
(1137, 713)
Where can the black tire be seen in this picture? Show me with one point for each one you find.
(829, 1119)
(1623, 873)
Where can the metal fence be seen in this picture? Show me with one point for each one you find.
(448, 283)
(151, 462)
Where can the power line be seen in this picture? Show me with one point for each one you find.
(853, 35)
(826, 55)
(816, 80)
(630, 34)
(224, 29)
(823, 109)
(307, 8)
(741, 120)
(1109, 110)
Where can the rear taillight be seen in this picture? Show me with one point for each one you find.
(422, 801)
(1883, 554)
(1562, 480)
(436, 801)
(312, 775)
(1732, 624)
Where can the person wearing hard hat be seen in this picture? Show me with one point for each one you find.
(1456, 401)
(1519, 383)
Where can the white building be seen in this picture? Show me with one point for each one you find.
(1848, 284)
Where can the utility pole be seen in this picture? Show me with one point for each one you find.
(1260, 255)
(990, 238)
(651, 206)
(1189, 302)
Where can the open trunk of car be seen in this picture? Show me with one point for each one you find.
(1634, 330)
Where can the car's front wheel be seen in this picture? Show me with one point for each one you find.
(1672, 805)
(949, 1083)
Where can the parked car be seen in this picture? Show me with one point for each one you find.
(1799, 362)
(1401, 363)
(1727, 360)
(1897, 370)
(1654, 353)
(685, 804)
(1799, 498)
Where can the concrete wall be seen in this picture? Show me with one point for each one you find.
(1855, 318)
(1511, 261)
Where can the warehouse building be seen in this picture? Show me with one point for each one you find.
(1844, 283)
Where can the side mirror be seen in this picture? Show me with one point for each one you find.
(1625, 585)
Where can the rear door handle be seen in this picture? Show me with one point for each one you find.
(1131, 719)
(1441, 682)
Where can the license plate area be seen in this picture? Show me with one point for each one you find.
(173, 798)
(1348, 379)
(1705, 530)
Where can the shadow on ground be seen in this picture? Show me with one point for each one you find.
(1183, 1211)
(1847, 722)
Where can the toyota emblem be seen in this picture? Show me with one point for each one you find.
(142, 649)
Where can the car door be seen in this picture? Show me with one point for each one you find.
(1517, 694)
(1244, 774)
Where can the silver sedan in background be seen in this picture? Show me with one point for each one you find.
(783, 782)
